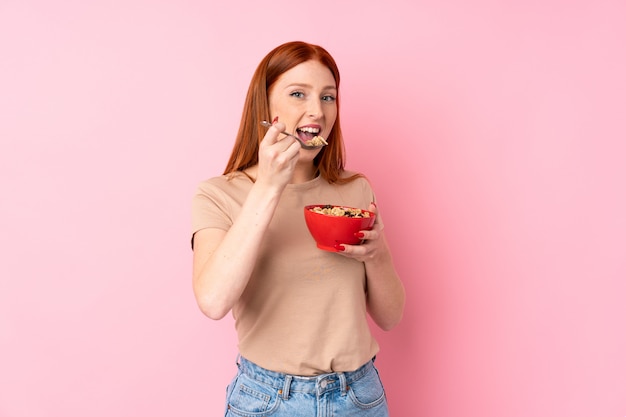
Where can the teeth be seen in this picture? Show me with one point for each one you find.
(309, 130)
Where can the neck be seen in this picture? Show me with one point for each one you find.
(303, 173)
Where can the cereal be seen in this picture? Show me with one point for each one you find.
(317, 141)
(341, 211)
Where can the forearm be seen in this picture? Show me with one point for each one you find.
(221, 276)
(385, 292)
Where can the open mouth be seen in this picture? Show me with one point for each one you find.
(307, 133)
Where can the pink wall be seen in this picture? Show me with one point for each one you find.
(493, 131)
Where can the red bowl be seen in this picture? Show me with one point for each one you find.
(329, 231)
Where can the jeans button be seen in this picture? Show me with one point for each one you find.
(323, 383)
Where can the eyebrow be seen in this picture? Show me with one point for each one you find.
(328, 87)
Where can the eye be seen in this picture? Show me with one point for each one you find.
(329, 98)
(297, 94)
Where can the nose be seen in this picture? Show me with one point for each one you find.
(315, 109)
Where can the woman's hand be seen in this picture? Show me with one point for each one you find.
(277, 158)
(372, 246)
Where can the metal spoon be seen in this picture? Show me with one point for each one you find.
(302, 143)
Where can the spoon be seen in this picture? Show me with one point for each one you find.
(302, 143)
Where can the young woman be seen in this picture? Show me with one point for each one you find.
(300, 312)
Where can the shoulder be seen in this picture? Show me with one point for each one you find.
(215, 182)
(355, 179)
(346, 173)
(225, 191)
(223, 183)
(354, 187)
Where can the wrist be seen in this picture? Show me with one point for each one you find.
(263, 198)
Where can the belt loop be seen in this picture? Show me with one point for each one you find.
(238, 361)
(286, 387)
(343, 383)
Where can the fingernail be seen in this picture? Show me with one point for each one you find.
(275, 120)
(340, 248)
(359, 235)
(374, 204)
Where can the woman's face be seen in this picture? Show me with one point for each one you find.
(305, 100)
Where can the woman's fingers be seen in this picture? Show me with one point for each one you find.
(371, 243)
(359, 252)
(367, 234)
(278, 156)
(271, 136)
(274, 134)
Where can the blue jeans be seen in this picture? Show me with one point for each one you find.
(258, 392)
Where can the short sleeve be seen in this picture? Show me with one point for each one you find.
(209, 209)
(367, 190)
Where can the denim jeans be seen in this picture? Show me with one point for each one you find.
(258, 392)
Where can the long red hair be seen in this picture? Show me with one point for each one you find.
(330, 161)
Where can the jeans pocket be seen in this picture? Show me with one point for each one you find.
(367, 392)
(252, 399)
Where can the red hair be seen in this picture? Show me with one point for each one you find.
(330, 160)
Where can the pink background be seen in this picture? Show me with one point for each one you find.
(494, 133)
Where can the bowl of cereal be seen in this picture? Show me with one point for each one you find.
(332, 225)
